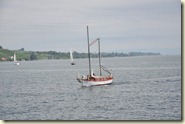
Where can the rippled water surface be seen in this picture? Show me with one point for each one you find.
(144, 88)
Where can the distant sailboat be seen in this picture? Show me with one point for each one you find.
(92, 79)
(15, 60)
(71, 57)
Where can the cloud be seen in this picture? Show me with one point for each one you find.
(55, 23)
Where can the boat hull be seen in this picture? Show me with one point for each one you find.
(86, 83)
(16, 63)
(72, 63)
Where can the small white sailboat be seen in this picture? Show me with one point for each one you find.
(91, 79)
(71, 57)
(15, 60)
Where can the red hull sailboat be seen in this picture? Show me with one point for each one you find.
(91, 79)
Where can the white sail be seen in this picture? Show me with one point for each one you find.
(71, 55)
(14, 58)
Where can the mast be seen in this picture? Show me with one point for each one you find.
(99, 56)
(88, 51)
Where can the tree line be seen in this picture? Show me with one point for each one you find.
(66, 55)
(38, 55)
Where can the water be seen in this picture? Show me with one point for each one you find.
(144, 88)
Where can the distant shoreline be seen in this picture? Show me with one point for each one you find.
(22, 55)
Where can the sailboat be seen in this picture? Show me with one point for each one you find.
(71, 57)
(14, 58)
(91, 79)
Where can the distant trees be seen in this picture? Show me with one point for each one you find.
(142, 54)
(22, 49)
(38, 55)
(53, 54)
(33, 56)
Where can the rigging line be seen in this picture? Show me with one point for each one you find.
(106, 70)
(93, 42)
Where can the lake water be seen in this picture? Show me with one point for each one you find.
(144, 88)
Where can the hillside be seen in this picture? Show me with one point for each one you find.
(21, 54)
(6, 55)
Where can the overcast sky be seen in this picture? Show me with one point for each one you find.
(121, 25)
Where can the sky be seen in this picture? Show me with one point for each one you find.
(122, 25)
